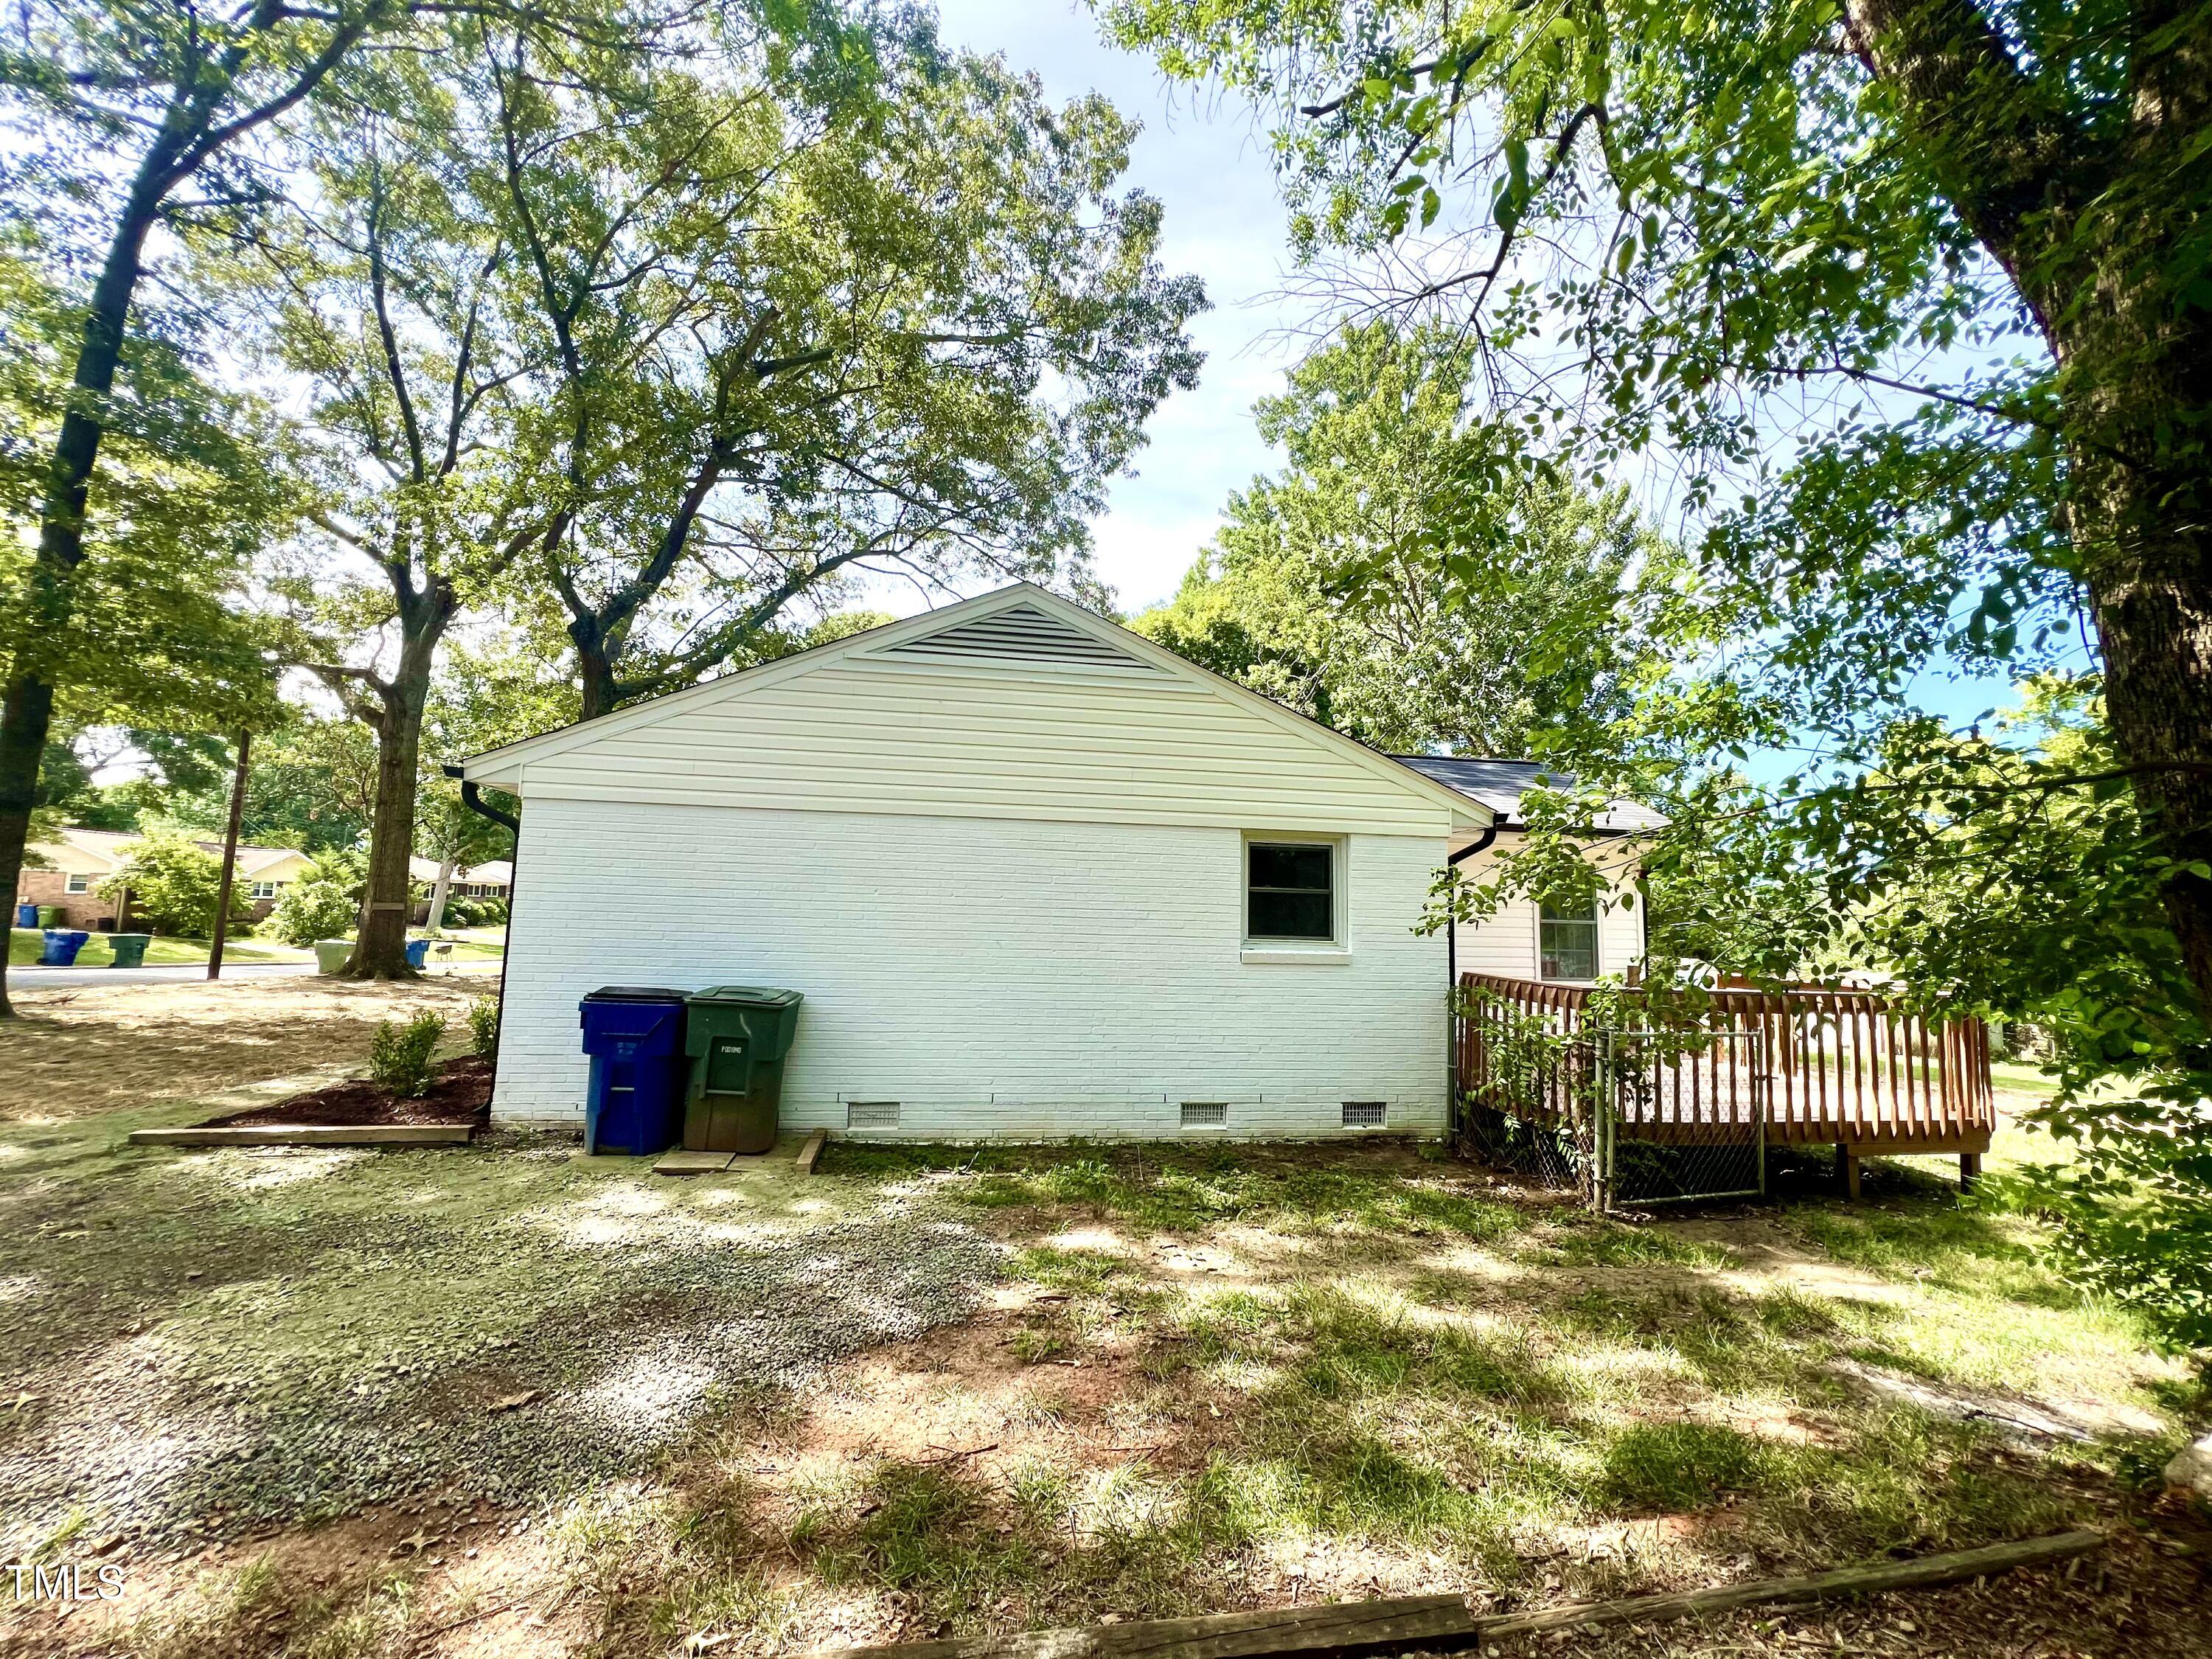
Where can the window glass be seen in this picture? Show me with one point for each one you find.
(77, 883)
(1289, 891)
(1567, 943)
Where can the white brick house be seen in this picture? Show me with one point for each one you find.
(1037, 875)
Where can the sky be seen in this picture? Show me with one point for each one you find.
(1206, 159)
(1208, 166)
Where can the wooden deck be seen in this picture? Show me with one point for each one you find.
(1814, 1064)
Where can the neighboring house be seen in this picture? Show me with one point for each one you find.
(1037, 875)
(80, 859)
(477, 881)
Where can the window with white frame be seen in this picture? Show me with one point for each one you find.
(1566, 945)
(77, 882)
(267, 890)
(1292, 890)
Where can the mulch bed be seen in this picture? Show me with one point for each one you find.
(460, 1093)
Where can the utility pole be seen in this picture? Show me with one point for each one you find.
(229, 859)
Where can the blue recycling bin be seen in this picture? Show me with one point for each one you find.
(634, 1036)
(26, 915)
(418, 952)
(62, 948)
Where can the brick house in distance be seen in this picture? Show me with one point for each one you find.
(79, 860)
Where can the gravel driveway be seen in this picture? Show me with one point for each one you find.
(203, 1344)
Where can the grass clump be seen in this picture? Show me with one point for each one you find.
(259, 1609)
(400, 1057)
(1681, 1466)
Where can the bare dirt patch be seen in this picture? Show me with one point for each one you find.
(460, 1093)
(77, 1052)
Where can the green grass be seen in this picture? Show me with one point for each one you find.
(2022, 1077)
(1400, 1366)
(1213, 1364)
(1189, 1190)
(472, 944)
(24, 944)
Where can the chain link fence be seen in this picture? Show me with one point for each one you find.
(1627, 1119)
(1663, 1135)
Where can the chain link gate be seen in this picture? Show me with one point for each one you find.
(1680, 1115)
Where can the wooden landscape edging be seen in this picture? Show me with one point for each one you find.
(308, 1134)
(810, 1153)
(1444, 1621)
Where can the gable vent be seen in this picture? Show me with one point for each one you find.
(871, 1115)
(1020, 632)
(1205, 1115)
(1366, 1113)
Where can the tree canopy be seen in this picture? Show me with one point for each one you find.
(1331, 588)
(782, 328)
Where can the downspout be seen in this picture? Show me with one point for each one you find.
(1451, 990)
(472, 798)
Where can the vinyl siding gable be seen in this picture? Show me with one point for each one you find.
(879, 734)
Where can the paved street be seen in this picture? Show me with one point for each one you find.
(46, 979)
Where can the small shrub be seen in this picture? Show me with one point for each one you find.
(173, 885)
(400, 1055)
(475, 912)
(483, 1028)
(309, 910)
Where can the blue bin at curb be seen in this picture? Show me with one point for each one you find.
(26, 915)
(418, 952)
(61, 948)
(634, 1036)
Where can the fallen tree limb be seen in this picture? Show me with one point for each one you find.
(1446, 1621)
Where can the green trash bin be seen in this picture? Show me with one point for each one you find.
(129, 949)
(50, 915)
(737, 1036)
(331, 954)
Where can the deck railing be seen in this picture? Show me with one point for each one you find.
(1817, 1064)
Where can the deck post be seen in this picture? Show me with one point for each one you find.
(1849, 1161)
(1970, 1171)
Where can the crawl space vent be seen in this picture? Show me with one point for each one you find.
(1020, 632)
(1204, 1113)
(1365, 1114)
(871, 1114)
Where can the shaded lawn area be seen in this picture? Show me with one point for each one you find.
(1192, 1380)
(505, 1401)
(95, 1047)
(210, 1354)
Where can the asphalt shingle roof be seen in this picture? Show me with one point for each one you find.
(1499, 785)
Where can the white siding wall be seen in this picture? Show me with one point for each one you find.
(1506, 944)
(997, 977)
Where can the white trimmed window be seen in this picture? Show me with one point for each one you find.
(267, 890)
(77, 882)
(1566, 945)
(1293, 891)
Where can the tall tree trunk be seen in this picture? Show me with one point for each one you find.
(440, 891)
(2099, 237)
(26, 708)
(2152, 583)
(379, 949)
(2142, 526)
(595, 668)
